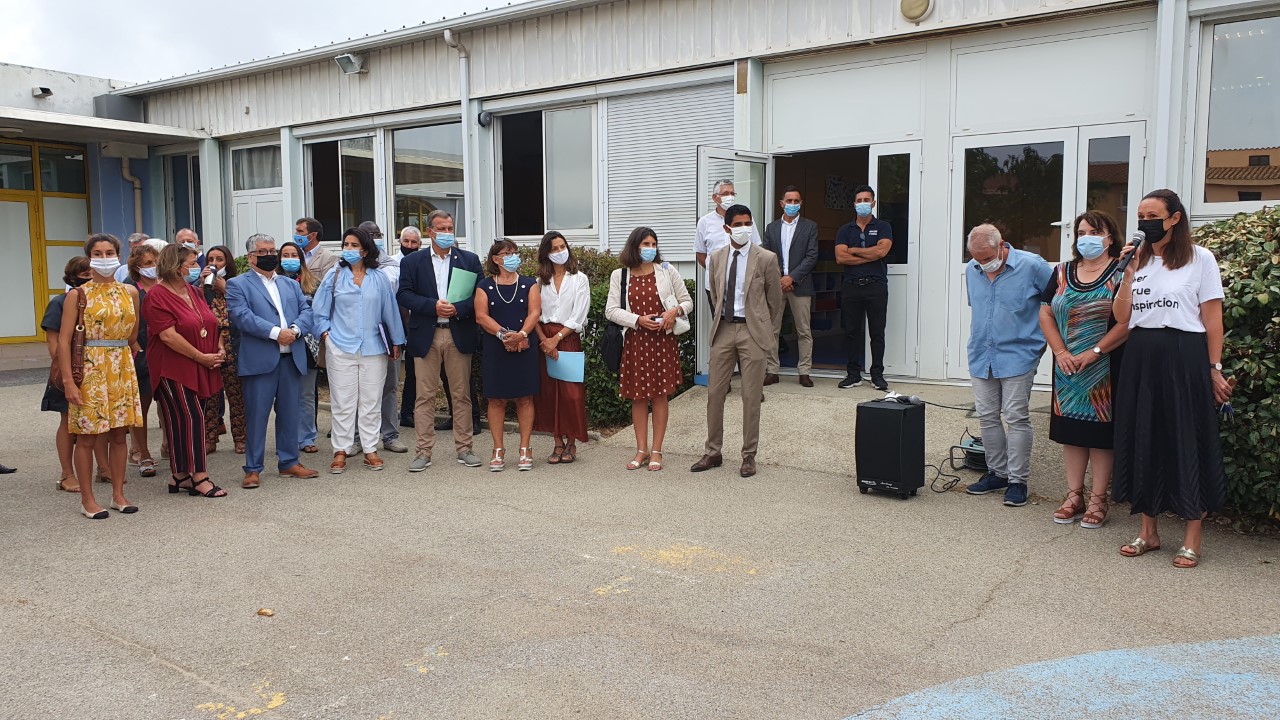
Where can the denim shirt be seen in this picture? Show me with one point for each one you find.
(1004, 337)
(353, 314)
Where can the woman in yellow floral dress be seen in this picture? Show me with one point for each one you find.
(106, 403)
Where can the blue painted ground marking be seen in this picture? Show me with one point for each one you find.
(1218, 680)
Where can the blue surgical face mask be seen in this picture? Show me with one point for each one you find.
(300, 239)
(511, 263)
(291, 265)
(190, 246)
(791, 209)
(351, 256)
(1090, 246)
(648, 254)
(444, 240)
(193, 274)
(863, 208)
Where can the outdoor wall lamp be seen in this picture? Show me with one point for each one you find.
(351, 64)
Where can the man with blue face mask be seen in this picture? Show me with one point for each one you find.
(307, 232)
(795, 241)
(861, 246)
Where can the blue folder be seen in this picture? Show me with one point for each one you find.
(570, 367)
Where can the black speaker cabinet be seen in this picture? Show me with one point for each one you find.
(889, 447)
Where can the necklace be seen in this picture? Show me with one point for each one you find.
(514, 292)
(187, 297)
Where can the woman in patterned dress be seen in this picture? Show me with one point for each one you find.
(106, 403)
(220, 265)
(650, 371)
(1082, 332)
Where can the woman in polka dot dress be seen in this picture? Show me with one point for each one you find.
(650, 370)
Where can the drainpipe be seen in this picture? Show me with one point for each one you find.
(464, 90)
(137, 193)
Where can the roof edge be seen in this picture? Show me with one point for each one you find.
(532, 8)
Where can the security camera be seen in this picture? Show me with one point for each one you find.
(41, 92)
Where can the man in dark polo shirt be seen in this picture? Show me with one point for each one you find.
(861, 247)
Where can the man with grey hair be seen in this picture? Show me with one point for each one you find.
(1005, 345)
(271, 313)
(188, 238)
(710, 235)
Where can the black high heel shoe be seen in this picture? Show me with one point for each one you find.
(176, 485)
(213, 492)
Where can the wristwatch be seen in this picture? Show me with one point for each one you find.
(1097, 350)
(1216, 366)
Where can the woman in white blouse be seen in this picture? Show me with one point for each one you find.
(561, 406)
(1168, 456)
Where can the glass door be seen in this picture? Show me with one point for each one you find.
(343, 177)
(894, 172)
(752, 176)
(1109, 172)
(18, 218)
(1024, 184)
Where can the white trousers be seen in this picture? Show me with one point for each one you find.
(355, 397)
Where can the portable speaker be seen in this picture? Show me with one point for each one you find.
(889, 447)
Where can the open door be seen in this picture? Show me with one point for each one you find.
(894, 171)
(752, 176)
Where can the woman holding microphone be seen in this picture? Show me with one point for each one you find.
(1168, 456)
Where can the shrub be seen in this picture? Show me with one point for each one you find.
(1248, 250)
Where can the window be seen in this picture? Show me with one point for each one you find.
(1017, 188)
(548, 171)
(184, 193)
(256, 168)
(428, 175)
(1107, 185)
(15, 168)
(62, 171)
(342, 187)
(1244, 112)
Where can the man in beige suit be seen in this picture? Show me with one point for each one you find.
(746, 291)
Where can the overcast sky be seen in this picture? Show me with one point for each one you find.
(140, 40)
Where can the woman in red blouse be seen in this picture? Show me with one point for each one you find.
(185, 357)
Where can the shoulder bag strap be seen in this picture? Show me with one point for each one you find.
(624, 288)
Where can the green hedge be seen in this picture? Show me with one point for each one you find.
(1248, 250)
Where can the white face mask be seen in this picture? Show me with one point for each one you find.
(728, 201)
(149, 273)
(105, 266)
(741, 235)
(222, 272)
(993, 266)
(559, 258)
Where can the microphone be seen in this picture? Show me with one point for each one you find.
(1139, 237)
(903, 399)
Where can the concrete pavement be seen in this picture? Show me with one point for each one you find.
(583, 590)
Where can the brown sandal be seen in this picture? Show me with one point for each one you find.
(62, 484)
(339, 464)
(373, 462)
(1072, 508)
(1093, 520)
(570, 454)
(556, 452)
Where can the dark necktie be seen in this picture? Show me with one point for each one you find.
(732, 284)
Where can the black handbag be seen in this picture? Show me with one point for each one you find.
(611, 346)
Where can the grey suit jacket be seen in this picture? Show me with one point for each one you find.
(804, 251)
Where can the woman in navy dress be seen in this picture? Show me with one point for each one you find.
(508, 307)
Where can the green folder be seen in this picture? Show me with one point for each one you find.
(462, 285)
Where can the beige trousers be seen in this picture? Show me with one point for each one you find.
(802, 313)
(732, 345)
(457, 370)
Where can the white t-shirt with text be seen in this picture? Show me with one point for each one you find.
(1164, 298)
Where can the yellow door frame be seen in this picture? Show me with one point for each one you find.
(41, 290)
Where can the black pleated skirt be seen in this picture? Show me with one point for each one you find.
(1168, 452)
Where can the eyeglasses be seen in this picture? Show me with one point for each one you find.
(263, 253)
(507, 254)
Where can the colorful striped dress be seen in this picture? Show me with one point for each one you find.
(1083, 402)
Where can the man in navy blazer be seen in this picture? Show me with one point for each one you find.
(271, 314)
(795, 241)
(440, 333)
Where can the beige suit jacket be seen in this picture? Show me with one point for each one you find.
(762, 294)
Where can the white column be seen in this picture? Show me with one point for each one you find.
(1170, 88)
(293, 179)
(748, 105)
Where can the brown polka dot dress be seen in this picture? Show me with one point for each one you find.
(650, 359)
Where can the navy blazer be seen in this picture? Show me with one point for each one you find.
(418, 295)
(254, 315)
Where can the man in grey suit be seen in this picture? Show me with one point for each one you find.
(745, 295)
(795, 241)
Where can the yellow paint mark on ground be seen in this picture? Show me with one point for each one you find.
(423, 665)
(690, 557)
(617, 587)
(271, 700)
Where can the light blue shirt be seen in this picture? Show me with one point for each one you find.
(1004, 338)
(358, 316)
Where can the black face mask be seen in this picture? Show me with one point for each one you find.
(1154, 230)
(407, 250)
(268, 263)
(77, 282)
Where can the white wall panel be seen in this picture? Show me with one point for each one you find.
(829, 107)
(653, 141)
(1094, 89)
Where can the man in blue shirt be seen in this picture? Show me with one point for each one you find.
(861, 247)
(1005, 345)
